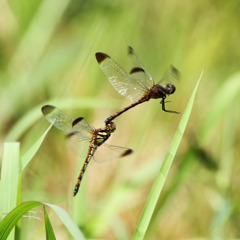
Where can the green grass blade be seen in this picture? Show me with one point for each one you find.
(48, 226)
(26, 158)
(67, 221)
(9, 178)
(158, 185)
(9, 175)
(10, 221)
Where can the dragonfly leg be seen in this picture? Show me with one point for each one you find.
(164, 109)
(164, 102)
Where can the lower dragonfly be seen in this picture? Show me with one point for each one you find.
(138, 85)
(78, 128)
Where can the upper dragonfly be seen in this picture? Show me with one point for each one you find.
(137, 85)
(84, 133)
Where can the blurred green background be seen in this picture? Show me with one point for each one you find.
(47, 57)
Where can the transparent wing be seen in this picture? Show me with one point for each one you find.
(172, 76)
(79, 142)
(59, 119)
(64, 122)
(108, 152)
(131, 85)
(141, 84)
(79, 133)
(138, 63)
(81, 125)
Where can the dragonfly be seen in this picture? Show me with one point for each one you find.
(138, 85)
(78, 129)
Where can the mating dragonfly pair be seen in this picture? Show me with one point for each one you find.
(137, 85)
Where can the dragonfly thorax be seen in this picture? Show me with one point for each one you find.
(102, 134)
(157, 91)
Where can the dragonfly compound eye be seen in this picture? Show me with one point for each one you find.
(112, 126)
(170, 88)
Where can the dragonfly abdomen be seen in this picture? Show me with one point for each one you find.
(90, 153)
(141, 100)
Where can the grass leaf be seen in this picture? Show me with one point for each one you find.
(26, 158)
(67, 221)
(10, 221)
(9, 177)
(48, 226)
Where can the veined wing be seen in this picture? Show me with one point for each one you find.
(81, 125)
(172, 76)
(79, 141)
(108, 152)
(131, 85)
(141, 84)
(147, 78)
(58, 118)
(64, 122)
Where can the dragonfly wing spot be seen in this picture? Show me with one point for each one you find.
(46, 109)
(77, 120)
(101, 57)
(136, 69)
(127, 152)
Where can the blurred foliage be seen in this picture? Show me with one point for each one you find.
(47, 56)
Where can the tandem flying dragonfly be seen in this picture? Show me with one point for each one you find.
(80, 129)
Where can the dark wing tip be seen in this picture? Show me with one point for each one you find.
(76, 121)
(136, 69)
(130, 50)
(127, 152)
(175, 72)
(101, 56)
(46, 109)
(71, 134)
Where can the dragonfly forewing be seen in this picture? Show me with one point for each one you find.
(140, 86)
(58, 118)
(81, 125)
(131, 85)
(64, 122)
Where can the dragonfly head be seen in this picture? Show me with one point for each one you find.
(170, 88)
(111, 126)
